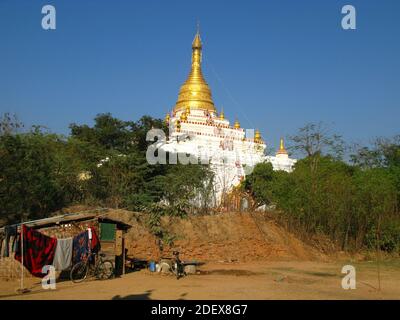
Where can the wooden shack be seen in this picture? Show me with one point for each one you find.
(110, 231)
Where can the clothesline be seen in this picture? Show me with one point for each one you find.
(10, 233)
(8, 240)
(37, 250)
(60, 252)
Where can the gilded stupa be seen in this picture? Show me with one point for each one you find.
(282, 149)
(197, 130)
(195, 92)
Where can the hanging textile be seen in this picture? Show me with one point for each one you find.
(10, 233)
(15, 244)
(2, 241)
(63, 255)
(39, 250)
(95, 242)
(11, 244)
(81, 245)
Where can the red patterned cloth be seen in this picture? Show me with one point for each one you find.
(95, 245)
(39, 250)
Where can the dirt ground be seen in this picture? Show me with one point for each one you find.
(225, 237)
(256, 280)
(246, 256)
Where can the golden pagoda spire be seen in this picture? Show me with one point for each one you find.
(196, 44)
(257, 136)
(222, 115)
(167, 117)
(237, 124)
(282, 149)
(195, 92)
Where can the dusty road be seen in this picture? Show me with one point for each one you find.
(269, 280)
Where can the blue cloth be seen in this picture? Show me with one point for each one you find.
(80, 247)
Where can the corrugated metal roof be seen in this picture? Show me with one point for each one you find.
(100, 214)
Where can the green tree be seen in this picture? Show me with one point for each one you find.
(108, 133)
(31, 180)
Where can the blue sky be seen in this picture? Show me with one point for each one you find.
(276, 65)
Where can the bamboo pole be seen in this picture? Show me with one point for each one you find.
(22, 288)
(22, 256)
(378, 251)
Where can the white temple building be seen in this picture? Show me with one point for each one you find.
(281, 160)
(196, 129)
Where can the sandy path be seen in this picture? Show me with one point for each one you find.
(270, 280)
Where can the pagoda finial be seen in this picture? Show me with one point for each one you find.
(196, 44)
(282, 149)
(195, 92)
(257, 136)
(222, 115)
(167, 117)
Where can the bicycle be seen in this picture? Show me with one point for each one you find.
(177, 267)
(101, 269)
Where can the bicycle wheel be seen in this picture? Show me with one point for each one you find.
(105, 270)
(79, 272)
